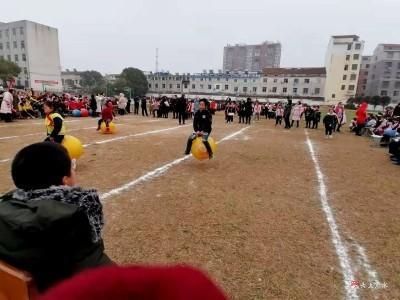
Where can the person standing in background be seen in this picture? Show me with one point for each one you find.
(7, 106)
(144, 106)
(287, 112)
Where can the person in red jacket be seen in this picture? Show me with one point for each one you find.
(136, 282)
(361, 115)
(107, 114)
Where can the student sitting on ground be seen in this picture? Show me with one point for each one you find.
(353, 124)
(49, 227)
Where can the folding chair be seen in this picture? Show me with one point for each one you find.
(16, 284)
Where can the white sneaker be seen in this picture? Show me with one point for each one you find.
(330, 136)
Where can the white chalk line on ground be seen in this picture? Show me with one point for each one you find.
(159, 171)
(5, 160)
(340, 247)
(41, 133)
(33, 123)
(132, 135)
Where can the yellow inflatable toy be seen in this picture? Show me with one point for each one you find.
(111, 128)
(199, 151)
(73, 146)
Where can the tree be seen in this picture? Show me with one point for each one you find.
(92, 82)
(375, 101)
(385, 100)
(133, 81)
(8, 69)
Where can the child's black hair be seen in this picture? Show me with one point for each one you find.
(40, 165)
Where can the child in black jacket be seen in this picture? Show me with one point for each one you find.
(202, 127)
(329, 121)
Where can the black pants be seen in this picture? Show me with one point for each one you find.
(248, 119)
(121, 111)
(308, 123)
(394, 148)
(338, 127)
(328, 129)
(144, 111)
(181, 117)
(6, 117)
(58, 139)
(241, 119)
(190, 142)
(297, 124)
(174, 114)
(136, 111)
(358, 129)
(315, 124)
(287, 122)
(278, 120)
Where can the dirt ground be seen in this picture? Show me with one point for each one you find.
(252, 217)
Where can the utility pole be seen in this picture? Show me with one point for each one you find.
(156, 60)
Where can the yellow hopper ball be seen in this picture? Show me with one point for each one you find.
(73, 146)
(199, 151)
(111, 127)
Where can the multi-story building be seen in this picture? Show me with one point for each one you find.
(384, 72)
(342, 63)
(34, 48)
(111, 78)
(71, 80)
(251, 58)
(299, 83)
(363, 76)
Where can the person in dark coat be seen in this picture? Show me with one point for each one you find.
(308, 114)
(136, 101)
(316, 118)
(396, 111)
(49, 227)
(248, 110)
(181, 108)
(93, 105)
(128, 105)
(329, 121)
(202, 127)
(144, 106)
(287, 112)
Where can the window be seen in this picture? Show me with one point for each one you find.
(294, 90)
(226, 87)
(24, 57)
(235, 88)
(14, 31)
(178, 86)
(7, 33)
(385, 84)
(170, 85)
(22, 44)
(275, 80)
(358, 46)
(343, 87)
(254, 89)
(344, 77)
(346, 67)
(193, 86)
(398, 65)
(395, 93)
(317, 91)
(351, 87)
(163, 85)
(1, 46)
(354, 67)
(15, 44)
(209, 87)
(388, 64)
(356, 56)
(397, 85)
(202, 86)
(347, 57)
(353, 77)
(26, 83)
(16, 57)
(285, 80)
(8, 45)
(296, 81)
(307, 80)
(366, 73)
(383, 93)
(217, 87)
(364, 81)
(284, 90)
(264, 89)
(305, 91)
(156, 85)
(274, 89)
(244, 80)
(389, 55)
(349, 47)
(264, 79)
(185, 86)
(149, 85)
(367, 66)
(333, 95)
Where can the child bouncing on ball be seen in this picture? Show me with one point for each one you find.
(202, 128)
(55, 127)
(107, 115)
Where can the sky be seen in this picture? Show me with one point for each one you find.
(108, 36)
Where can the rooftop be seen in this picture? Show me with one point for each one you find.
(352, 36)
(294, 71)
